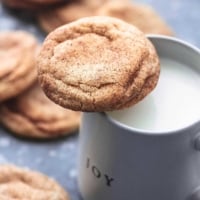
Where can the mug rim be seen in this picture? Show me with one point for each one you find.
(150, 132)
(160, 132)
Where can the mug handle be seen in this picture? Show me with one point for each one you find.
(196, 194)
(197, 143)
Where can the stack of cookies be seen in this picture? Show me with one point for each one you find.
(25, 110)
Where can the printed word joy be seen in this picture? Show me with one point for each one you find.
(98, 173)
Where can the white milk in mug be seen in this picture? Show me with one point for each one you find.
(174, 103)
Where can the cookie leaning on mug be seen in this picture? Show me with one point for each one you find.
(97, 64)
(17, 58)
(41, 118)
(18, 183)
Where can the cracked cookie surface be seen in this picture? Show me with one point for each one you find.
(41, 118)
(21, 184)
(97, 64)
(17, 59)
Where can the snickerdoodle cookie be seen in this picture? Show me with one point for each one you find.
(31, 4)
(97, 64)
(22, 184)
(41, 118)
(140, 15)
(17, 59)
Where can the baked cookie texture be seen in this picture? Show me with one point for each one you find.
(97, 64)
(41, 118)
(18, 51)
(140, 15)
(31, 4)
(22, 184)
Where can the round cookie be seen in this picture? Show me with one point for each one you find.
(17, 59)
(21, 184)
(31, 4)
(97, 64)
(41, 118)
(142, 16)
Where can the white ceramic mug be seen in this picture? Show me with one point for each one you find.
(118, 161)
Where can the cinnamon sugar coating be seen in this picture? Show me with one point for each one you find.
(97, 64)
(22, 184)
